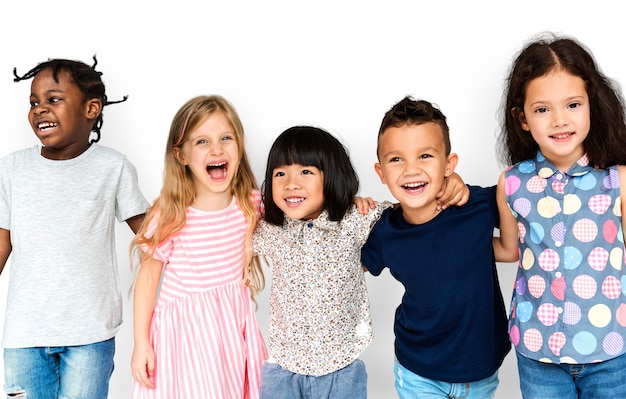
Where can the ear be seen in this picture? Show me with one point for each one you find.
(180, 156)
(93, 108)
(521, 118)
(451, 163)
(379, 171)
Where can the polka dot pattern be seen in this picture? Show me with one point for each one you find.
(569, 299)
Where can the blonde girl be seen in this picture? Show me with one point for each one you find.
(199, 337)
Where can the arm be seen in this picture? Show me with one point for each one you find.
(5, 247)
(505, 247)
(143, 358)
(454, 192)
(135, 222)
(621, 170)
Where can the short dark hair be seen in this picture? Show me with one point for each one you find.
(409, 111)
(312, 146)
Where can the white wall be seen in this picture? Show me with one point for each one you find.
(335, 64)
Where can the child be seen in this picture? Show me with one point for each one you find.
(201, 340)
(450, 328)
(312, 233)
(562, 203)
(58, 203)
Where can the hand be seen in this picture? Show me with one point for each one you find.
(454, 192)
(364, 204)
(142, 364)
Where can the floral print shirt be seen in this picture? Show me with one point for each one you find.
(319, 309)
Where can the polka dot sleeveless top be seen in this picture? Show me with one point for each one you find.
(569, 299)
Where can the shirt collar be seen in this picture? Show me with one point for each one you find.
(321, 222)
(546, 169)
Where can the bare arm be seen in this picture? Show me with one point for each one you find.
(135, 222)
(143, 358)
(505, 247)
(622, 189)
(5, 247)
(454, 192)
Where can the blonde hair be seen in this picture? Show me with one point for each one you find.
(178, 190)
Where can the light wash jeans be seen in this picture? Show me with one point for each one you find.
(412, 386)
(603, 380)
(59, 372)
(349, 382)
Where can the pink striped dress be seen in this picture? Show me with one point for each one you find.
(204, 329)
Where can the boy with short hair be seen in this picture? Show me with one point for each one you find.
(451, 327)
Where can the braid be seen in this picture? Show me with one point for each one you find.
(86, 78)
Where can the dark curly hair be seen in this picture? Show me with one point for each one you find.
(86, 78)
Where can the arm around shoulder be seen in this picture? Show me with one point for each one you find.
(505, 247)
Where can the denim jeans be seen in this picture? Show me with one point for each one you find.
(412, 386)
(348, 383)
(59, 372)
(572, 381)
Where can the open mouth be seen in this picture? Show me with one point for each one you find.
(45, 126)
(217, 171)
(294, 200)
(561, 136)
(414, 188)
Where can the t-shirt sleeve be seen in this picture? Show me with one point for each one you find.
(164, 249)
(372, 254)
(129, 199)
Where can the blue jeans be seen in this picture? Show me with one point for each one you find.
(411, 386)
(572, 381)
(348, 383)
(59, 372)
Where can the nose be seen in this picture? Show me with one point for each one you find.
(216, 148)
(559, 117)
(292, 183)
(39, 109)
(412, 168)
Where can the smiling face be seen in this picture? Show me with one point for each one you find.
(60, 116)
(413, 164)
(556, 112)
(211, 153)
(298, 191)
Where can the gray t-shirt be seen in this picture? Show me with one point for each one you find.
(64, 285)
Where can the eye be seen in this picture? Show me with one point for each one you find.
(425, 156)
(279, 173)
(54, 100)
(541, 110)
(394, 159)
(33, 104)
(307, 172)
(201, 141)
(573, 105)
(228, 138)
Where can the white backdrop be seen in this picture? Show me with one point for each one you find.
(335, 64)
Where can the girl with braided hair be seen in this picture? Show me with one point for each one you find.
(58, 203)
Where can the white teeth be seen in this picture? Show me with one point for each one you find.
(414, 185)
(46, 125)
(561, 136)
(217, 165)
(294, 200)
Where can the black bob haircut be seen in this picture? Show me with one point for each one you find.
(312, 146)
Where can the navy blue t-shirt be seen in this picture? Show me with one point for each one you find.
(451, 325)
